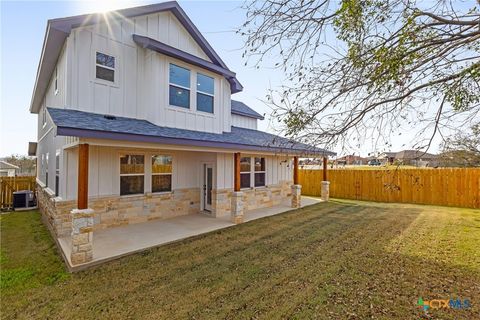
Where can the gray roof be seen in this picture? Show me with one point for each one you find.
(92, 125)
(414, 154)
(242, 109)
(6, 165)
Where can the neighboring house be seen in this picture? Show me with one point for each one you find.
(351, 160)
(136, 122)
(7, 169)
(416, 158)
(387, 157)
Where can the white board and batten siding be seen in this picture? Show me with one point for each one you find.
(104, 170)
(244, 122)
(140, 89)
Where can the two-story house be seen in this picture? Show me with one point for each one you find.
(136, 122)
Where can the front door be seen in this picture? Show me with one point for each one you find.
(207, 187)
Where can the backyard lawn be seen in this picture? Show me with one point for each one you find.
(336, 260)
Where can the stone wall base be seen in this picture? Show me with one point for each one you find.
(296, 196)
(82, 236)
(325, 192)
(237, 207)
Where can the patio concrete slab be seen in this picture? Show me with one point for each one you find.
(112, 243)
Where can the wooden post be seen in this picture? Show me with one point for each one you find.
(295, 170)
(82, 196)
(236, 166)
(325, 166)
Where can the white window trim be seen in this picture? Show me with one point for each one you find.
(264, 172)
(56, 81)
(57, 173)
(205, 93)
(180, 86)
(44, 117)
(116, 74)
(144, 174)
(161, 173)
(252, 173)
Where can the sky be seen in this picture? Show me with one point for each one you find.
(23, 26)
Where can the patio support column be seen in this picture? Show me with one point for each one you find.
(237, 196)
(325, 193)
(296, 187)
(82, 217)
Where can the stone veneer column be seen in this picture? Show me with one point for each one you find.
(82, 236)
(237, 207)
(325, 194)
(296, 196)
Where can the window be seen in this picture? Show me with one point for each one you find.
(57, 173)
(46, 169)
(105, 67)
(44, 117)
(132, 172)
(259, 172)
(179, 89)
(161, 173)
(252, 176)
(205, 90)
(56, 81)
(245, 172)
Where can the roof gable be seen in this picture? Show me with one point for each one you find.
(58, 30)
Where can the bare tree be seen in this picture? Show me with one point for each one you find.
(358, 70)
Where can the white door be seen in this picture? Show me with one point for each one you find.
(207, 187)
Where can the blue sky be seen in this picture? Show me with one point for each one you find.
(22, 31)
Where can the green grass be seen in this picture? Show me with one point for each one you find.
(337, 260)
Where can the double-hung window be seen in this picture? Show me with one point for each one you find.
(259, 172)
(245, 172)
(252, 175)
(205, 93)
(179, 87)
(161, 173)
(105, 67)
(56, 81)
(132, 174)
(46, 169)
(57, 173)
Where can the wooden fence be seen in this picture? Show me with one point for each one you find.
(8, 185)
(444, 187)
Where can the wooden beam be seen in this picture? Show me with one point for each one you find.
(295, 170)
(82, 196)
(325, 166)
(236, 168)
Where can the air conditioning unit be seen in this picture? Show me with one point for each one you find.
(23, 200)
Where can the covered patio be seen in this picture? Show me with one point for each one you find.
(113, 243)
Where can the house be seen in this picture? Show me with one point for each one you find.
(351, 160)
(416, 158)
(136, 122)
(7, 169)
(387, 157)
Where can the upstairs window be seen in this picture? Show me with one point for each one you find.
(161, 173)
(105, 67)
(132, 173)
(205, 91)
(56, 81)
(179, 88)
